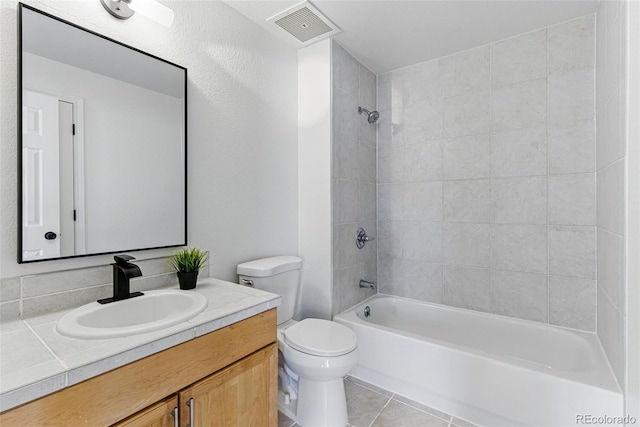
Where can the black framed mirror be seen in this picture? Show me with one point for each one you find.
(101, 146)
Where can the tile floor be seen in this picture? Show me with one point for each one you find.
(370, 406)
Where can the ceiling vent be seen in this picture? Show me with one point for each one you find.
(305, 23)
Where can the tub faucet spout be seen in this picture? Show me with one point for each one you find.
(366, 284)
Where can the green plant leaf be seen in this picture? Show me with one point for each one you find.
(187, 260)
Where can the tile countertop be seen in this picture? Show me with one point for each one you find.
(35, 360)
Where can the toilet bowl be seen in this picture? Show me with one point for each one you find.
(316, 353)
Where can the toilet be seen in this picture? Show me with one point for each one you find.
(314, 354)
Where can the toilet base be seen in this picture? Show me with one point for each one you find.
(321, 403)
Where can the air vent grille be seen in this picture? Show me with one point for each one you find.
(303, 24)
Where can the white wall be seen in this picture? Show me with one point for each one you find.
(242, 130)
(314, 169)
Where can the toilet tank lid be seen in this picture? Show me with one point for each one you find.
(266, 267)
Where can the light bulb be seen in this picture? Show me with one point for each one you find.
(153, 10)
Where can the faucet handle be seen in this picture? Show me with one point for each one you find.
(123, 260)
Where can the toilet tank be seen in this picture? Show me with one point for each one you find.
(279, 275)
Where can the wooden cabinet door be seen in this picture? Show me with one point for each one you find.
(244, 394)
(160, 414)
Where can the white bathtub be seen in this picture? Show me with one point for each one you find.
(490, 370)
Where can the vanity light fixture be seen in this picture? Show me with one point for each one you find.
(124, 9)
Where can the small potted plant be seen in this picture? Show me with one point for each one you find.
(187, 262)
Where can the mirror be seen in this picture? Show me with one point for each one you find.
(102, 146)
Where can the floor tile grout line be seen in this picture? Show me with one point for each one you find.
(423, 411)
(381, 410)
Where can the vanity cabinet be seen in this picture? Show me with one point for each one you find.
(240, 395)
(230, 373)
(162, 414)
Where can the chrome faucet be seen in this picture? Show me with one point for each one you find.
(367, 284)
(123, 271)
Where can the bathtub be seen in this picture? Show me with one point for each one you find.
(487, 369)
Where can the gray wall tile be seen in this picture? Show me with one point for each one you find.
(344, 122)
(519, 58)
(519, 200)
(572, 199)
(64, 300)
(572, 251)
(466, 71)
(519, 248)
(9, 289)
(390, 162)
(610, 327)
(467, 157)
(519, 105)
(522, 295)
(467, 244)
(466, 114)
(423, 162)
(390, 276)
(422, 201)
(467, 287)
(423, 81)
(346, 71)
(572, 44)
(49, 283)
(467, 200)
(390, 238)
(390, 89)
(390, 199)
(509, 130)
(368, 205)
(610, 198)
(423, 280)
(572, 148)
(521, 152)
(610, 271)
(423, 121)
(571, 96)
(345, 152)
(366, 163)
(572, 302)
(346, 207)
(422, 241)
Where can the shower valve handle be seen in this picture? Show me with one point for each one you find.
(362, 238)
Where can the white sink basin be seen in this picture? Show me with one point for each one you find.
(153, 311)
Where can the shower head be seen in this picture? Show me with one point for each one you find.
(372, 116)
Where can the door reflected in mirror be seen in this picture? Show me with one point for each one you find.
(102, 144)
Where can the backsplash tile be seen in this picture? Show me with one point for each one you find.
(44, 293)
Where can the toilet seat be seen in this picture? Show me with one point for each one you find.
(320, 337)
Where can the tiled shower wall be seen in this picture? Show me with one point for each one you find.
(612, 83)
(354, 178)
(486, 183)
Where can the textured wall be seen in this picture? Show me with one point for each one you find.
(612, 81)
(242, 128)
(354, 178)
(486, 184)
